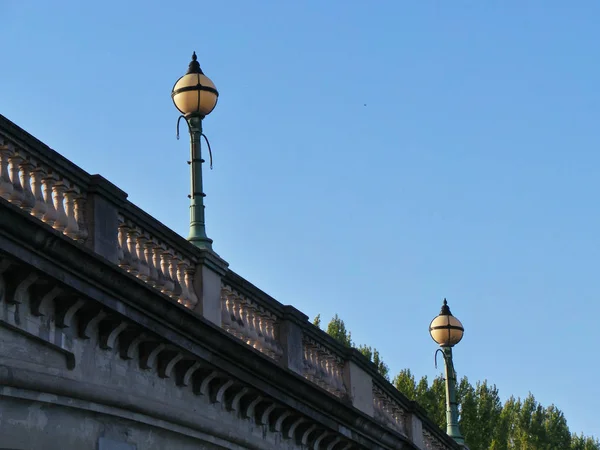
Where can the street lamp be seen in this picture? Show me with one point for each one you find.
(195, 96)
(447, 331)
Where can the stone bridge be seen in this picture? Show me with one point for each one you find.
(118, 334)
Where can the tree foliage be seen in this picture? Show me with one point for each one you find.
(337, 330)
(372, 355)
(485, 422)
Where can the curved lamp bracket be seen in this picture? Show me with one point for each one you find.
(435, 356)
(203, 135)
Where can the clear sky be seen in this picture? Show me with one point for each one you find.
(370, 159)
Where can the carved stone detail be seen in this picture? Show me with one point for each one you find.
(37, 190)
(40, 303)
(154, 262)
(388, 411)
(66, 309)
(109, 332)
(249, 322)
(431, 442)
(323, 367)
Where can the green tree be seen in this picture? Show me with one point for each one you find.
(336, 328)
(405, 383)
(372, 354)
(557, 431)
(432, 399)
(480, 412)
(317, 321)
(581, 442)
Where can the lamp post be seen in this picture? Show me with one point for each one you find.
(447, 331)
(195, 96)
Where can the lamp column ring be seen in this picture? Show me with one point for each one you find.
(197, 222)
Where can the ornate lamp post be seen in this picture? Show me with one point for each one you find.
(195, 96)
(447, 331)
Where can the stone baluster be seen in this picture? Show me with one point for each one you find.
(329, 362)
(122, 250)
(62, 219)
(231, 310)
(149, 257)
(319, 370)
(123, 253)
(237, 314)
(265, 327)
(185, 295)
(80, 218)
(189, 283)
(18, 195)
(327, 371)
(329, 375)
(28, 197)
(315, 365)
(143, 268)
(160, 276)
(6, 187)
(37, 184)
(312, 364)
(165, 258)
(173, 267)
(305, 361)
(50, 215)
(225, 316)
(260, 343)
(339, 377)
(134, 261)
(339, 370)
(318, 361)
(72, 228)
(242, 313)
(248, 318)
(270, 338)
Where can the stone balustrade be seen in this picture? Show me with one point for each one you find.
(323, 366)
(388, 410)
(42, 190)
(253, 324)
(432, 442)
(92, 212)
(156, 263)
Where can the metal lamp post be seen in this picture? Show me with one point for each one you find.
(447, 331)
(195, 96)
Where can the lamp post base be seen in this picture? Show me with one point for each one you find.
(201, 242)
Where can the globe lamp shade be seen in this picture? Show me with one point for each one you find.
(194, 94)
(446, 330)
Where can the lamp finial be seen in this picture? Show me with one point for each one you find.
(194, 66)
(445, 309)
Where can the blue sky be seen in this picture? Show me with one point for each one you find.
(370, 159)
